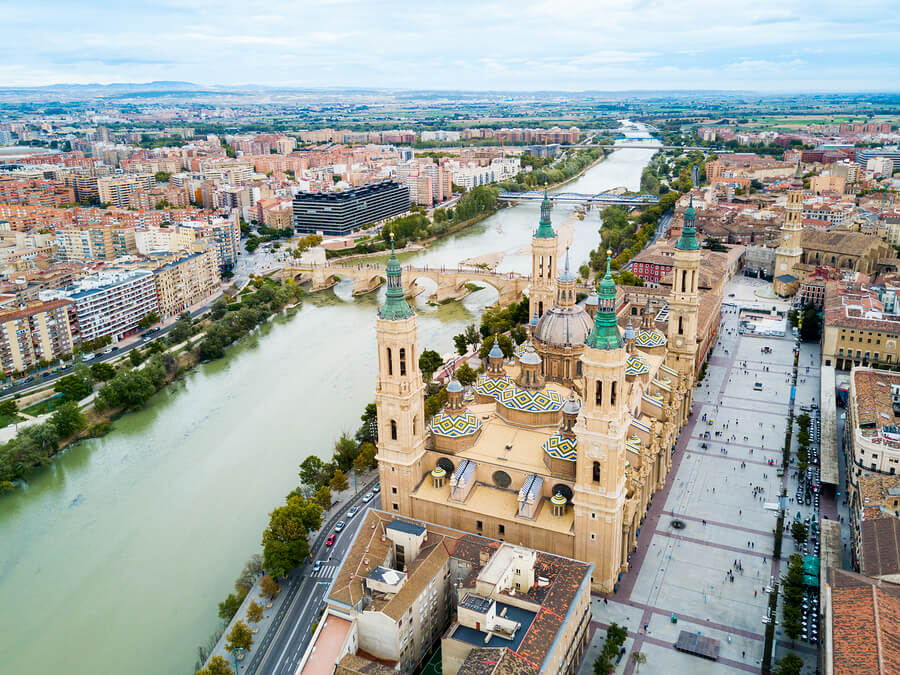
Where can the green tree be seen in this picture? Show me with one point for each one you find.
(68, 419)
(365, 460)
(136, 357)
(459, 341)
(269, 588)
(148, 320)
(323, 497)
(102, 372)
(9, 408)
(811, 329)
(466, 375)
(472, 335)
(314, 472)
(799, 532)
(72, 387)
(429, 362)
(254, 612)
(239, 637)
(217, 666)
(345, 450)
(790, 664)
(339, 481)
(285, 543)
(230, 605)
(162, 176)
(182, 330)
(639, 659)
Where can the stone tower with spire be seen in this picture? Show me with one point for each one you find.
(790, 252)
(399, 396)
(601, 428)
(544, 249)
(684, 304)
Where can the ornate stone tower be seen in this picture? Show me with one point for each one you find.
(684, 303)
(544, 248)
(599, 494)
(399, 396)
(791, 250)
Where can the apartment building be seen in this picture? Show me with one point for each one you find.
(100, 242)
(403, 581)
(223, 233)
(117, 190)
(856, 329)
(184, 279)
(39, 331)
(109, 303)
(230, 171)
(340, 213)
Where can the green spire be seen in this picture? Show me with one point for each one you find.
(545, 228)
(395, 306)
(688, 240)
(605, 334)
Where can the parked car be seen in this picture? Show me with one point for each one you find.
(109, 350)
(87, 357)
(331, 539)
(352, 512)
(377, 488)
(339, 526)
(368, 497)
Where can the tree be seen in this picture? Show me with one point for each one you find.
(136, 357)
(429, 362)
(799, 531)
(639, 659)
(285, 543)
(182, 329)
(790, 664)
(68, 419)
(9, 408)
(102, 372)
(239, 637)
(365, 460)
(345, 450)
(472, 335)
(466, 375)
(811, 329)
(217, 666)
(72, 387)
(323, 497)
(148, 320)
(268, 587)
(459, 341)
(254, 612)
(314, 472)
(230, 605)
(338, 481)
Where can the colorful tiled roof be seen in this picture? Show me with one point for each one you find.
(635, 365)
(526, 400)
(560, 447)
(487, 386)
(519, 350)
(650, 338)
(454, 426)
(637, 424)
(653, 399)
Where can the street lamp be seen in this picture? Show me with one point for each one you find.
(234, 652)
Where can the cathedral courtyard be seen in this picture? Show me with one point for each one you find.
(690, 572)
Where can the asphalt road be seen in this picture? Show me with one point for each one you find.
(288, 637)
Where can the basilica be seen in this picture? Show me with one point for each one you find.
(562, 447)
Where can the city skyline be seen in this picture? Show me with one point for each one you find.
(573, 46)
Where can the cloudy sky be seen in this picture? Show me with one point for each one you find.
(516, 45)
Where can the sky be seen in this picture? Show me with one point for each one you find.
(521, 45)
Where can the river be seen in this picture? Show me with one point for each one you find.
(114, 558)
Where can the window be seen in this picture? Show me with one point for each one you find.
(578, 368)
(402, 362)
(599, 394)
(478, 525)
(593, 536)
(502, 530)
(390, 362)
(414, 425)
(393, 430)
(683, 281)
(596, 472)
(394, 490)
(612, 395)
(593, 516)
(396, 506)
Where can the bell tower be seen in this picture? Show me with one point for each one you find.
(601, 428)
(544, 249)
(399, 396)
(684, 303)
(790, 252)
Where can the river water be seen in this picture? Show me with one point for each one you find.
(114, 558)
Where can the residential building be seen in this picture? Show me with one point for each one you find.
(864, 155)
(880, 166)
(340, 213)
(403, 581)
(96, 242)
(39, 331)
(856, 331)
(117, 190)
(109, 303)
(185, 279)
(223, 233)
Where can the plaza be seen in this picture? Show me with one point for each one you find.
(711, 573)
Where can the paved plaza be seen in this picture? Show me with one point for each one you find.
(719, 492)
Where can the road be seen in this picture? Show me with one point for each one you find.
(288, 637)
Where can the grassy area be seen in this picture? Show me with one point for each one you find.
(44, 407)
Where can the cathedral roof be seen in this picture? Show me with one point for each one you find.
(545, 228)
(528, 400)
(563, 326)
(489, 386)
(635, 365)
(454, 426)
(650, 338)
(560, 447)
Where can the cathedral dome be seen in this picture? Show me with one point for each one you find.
(562, 326)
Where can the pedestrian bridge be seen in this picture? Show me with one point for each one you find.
(579, 198)
(451, 281)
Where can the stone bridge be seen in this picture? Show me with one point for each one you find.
(451, 281)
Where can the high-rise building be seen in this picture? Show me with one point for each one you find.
(340, 213)
(38, 331)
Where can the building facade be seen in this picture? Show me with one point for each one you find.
(340, 213)
(37, 332)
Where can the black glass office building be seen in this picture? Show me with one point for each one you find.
(340, 213)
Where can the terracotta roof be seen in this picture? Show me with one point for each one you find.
(865, 624)
(880, 552)
(351, 664)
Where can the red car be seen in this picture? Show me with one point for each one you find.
(330, 540)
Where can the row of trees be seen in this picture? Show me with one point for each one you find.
(615, 638)
(792, 591)
(809, 321)
(35, 445)
(572, 165)
(803, 422)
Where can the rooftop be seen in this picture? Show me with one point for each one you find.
(323, 656)
(874, 413)
(880, 554)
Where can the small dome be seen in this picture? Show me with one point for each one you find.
(572, 406)
(630, 333)
(563, 326)
(534, 319)
(592, 299)
(496, 352)
(530, 357)
(454, 387)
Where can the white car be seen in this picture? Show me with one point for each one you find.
(368, 497)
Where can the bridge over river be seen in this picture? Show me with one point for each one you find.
(580, 198)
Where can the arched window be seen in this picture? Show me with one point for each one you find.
(612, 394)
(393, 430)
(596, 472)
(549, 266)
(402, 361)
(681, 325)
(390, 362)
(683, 280)
(598, 398)
(541, 308)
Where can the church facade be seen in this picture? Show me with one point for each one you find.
(561, 448)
